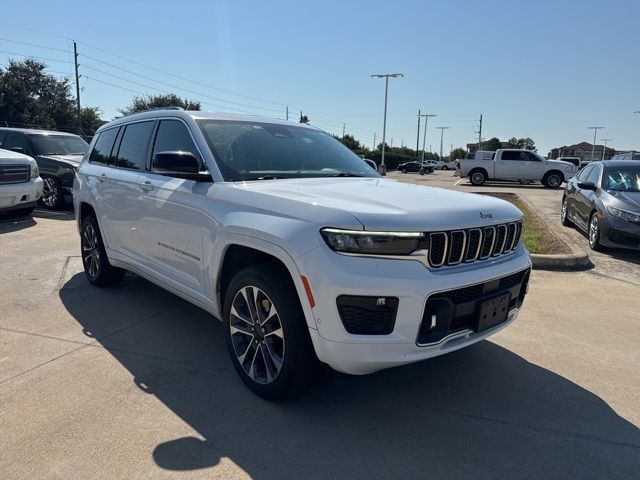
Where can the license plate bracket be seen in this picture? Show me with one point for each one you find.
(493, 312)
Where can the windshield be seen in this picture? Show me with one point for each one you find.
(622, 179)
(58, 145)
(265, 151)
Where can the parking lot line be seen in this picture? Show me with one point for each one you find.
(458, 182)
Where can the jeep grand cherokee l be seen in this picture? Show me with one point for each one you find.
(297, 245)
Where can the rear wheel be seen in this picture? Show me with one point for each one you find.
(266, 332)
(97, 268)
(52, 194)
(564, 213)
(478, 177)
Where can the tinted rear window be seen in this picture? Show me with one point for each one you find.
(103, 146)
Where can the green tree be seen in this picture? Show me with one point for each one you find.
(30, 97)
(526, 143)
(147, 102)
(303, 118)
(457, 153)
(492, 144)
(90, 120)
(350, 142)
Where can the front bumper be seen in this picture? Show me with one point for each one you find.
(331, 275)
(20, 195)
(618, 233)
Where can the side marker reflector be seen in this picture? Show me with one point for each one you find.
(307, 289)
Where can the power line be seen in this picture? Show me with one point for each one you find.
(34, 45)
(37, 58)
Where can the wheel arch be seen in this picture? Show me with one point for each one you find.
(240, 252)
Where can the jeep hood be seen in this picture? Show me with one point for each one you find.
(383, 204)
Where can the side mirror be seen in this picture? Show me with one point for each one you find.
(180, 165)
(587, 186)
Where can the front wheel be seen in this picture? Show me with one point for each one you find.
(52, 194)
(553, 180)
(97, 268)
(594, 233)
(445, 168)
(266, 332)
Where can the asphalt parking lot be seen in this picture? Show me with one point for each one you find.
(133, 382)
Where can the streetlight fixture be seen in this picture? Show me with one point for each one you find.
(442, 129)
(604, 149)
(593, 147)
(383, 167)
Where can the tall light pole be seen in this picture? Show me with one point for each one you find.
(593, 147)
(604, 149)
(424, 135)
(383, 167)
(442, 129)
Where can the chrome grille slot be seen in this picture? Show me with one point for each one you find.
(469, 245)
(501, 237)
(458, 240)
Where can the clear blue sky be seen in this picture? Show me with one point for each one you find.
(544, 69)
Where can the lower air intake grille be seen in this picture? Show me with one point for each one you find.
(367, 315)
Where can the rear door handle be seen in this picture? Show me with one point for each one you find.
(102, 178)
(146, 186)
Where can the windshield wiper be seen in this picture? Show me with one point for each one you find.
(267, 177)
(346, 174)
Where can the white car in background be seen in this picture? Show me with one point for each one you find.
(299, 247)
(20, 183)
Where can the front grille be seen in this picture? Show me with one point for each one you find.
(367, 315)
(454, 311)
(14, 173)
(470, 245)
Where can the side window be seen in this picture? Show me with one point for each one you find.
(172, 136)
(529, 157)
(134, 146)
(103, 146)
(15, 141)
(511, 155)
(584, 173)
(594, 175)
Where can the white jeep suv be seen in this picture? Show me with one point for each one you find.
(296, 244)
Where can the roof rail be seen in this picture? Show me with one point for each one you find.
(162, 108)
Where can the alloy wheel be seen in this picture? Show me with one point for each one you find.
(593, 231)
(91, 251)
(49, 192)
(256, 334)
(554, 181)
(564, 210)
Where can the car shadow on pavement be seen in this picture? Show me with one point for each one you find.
(535, 186)
(630, 256)
(66, 213)
(10, 224)
(481, 412)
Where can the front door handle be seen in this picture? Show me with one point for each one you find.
(146, 186)
(102, 178)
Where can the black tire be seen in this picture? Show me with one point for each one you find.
(20, 212)
(97, 268)
(553, 180)
(594, 238)
(445, 168)
(525, 182)
(404, 170)
(564, 213)
(477, 177)
(52, 194)
(260, 341)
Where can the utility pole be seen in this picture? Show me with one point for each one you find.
(442, 129)
(593, 147)
(75, 61)
(383, 167)
(344, 127)
(287, 112)
(480, 134)
(391, 144)
(374, 141)
(418, 139)
(424, 136)
(604, 149)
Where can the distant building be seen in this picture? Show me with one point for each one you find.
(582, 150)
(472, 148)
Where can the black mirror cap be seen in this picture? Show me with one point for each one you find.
(176, 161)
(587, 186)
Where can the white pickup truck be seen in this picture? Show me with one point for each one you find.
(514, 164)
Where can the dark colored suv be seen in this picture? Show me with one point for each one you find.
(58, 155)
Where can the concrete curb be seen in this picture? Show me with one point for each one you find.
(572, 261)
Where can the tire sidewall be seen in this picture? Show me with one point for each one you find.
(284, 296)
(596, 243)
(59, 203)
(473, 176)
(548, 180)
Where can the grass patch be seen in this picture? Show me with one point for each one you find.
(536, 235)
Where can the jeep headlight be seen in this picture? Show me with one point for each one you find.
(35, 171)
(372, 243)
(624, 214)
